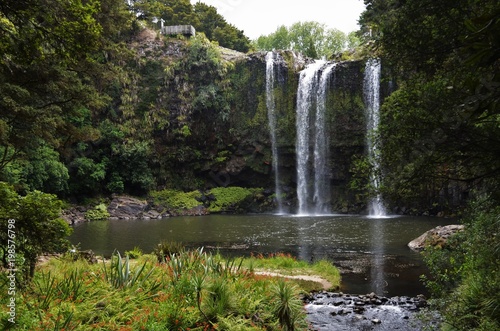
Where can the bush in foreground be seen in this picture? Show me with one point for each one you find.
(31, 226)
(466, 273)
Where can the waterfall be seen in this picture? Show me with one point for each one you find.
(322, 194)
(271, 115)
(372, 101)
(313, 183)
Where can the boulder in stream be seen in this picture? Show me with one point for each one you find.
(435, 237)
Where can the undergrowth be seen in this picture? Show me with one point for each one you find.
(188, 290)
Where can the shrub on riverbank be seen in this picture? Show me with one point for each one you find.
(466, 273)
(191, 290)
(98, 213)
(30, 226)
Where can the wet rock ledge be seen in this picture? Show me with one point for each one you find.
(126, 208)
(346, 312)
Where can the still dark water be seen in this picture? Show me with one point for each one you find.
(371, 253)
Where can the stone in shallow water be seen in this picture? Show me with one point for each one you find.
(435, 237)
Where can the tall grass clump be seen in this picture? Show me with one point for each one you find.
(166, 248)
(134, 253)
(287, 265)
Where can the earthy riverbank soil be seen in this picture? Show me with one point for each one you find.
(324, 283)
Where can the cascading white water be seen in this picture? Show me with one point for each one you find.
(305, 100)
(271, 115)
(372, 100)
(313, 188)
(321, 198)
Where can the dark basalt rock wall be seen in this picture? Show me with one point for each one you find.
(346, 123)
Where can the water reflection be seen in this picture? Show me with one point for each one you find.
(377, 278)
(371, 253)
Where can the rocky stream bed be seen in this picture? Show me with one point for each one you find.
(327, 311)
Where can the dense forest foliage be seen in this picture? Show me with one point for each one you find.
(440, 132)
(77, 114)
(312, 39)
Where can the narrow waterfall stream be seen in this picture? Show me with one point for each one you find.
(322, 195)
(271, 114)
(372, 100)
(313, 183)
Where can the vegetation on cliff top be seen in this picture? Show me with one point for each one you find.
(203, 17)
(311, 39)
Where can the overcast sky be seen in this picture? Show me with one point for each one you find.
(262, 17)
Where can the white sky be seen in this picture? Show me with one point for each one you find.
(262, 17)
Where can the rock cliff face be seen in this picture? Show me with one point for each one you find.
(346, 123)
(209, 121)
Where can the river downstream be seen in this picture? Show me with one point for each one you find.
(371, 253)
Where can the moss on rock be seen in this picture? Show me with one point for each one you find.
(175, 200)
(231, 198)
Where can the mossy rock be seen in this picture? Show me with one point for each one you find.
(175, 200)
(231, 199)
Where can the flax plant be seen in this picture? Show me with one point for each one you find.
(287, 306)
(120, 275)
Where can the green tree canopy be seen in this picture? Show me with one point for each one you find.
(217, 29)
(174, 12)
(39, 40)
(41, 170)
(59, 68)
(312, 39)
(51, 67)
